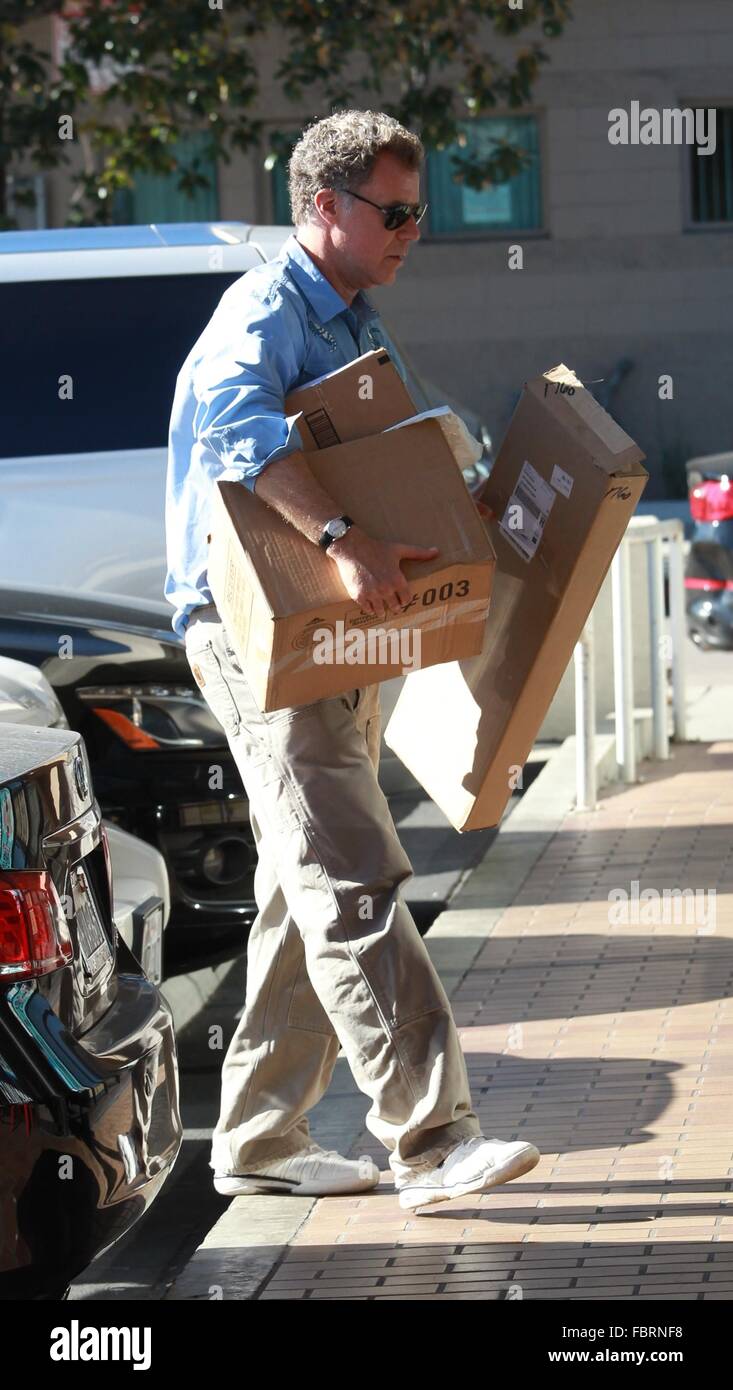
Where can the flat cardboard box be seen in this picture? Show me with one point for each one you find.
(563, 487)
(362, 398)
(276, 591)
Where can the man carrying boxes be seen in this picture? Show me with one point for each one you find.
(334, 957)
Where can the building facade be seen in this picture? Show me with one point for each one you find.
(599, 253)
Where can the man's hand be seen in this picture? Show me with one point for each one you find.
(371, 570)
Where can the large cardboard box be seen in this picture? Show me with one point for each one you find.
(565, 482)
(297, 634)
(362, 398)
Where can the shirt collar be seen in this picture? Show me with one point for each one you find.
(320, 293)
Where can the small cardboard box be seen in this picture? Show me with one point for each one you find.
(362, 398)
(297, 634)
(563, 487)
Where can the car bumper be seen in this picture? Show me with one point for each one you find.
(91, 1139)
(204, 836)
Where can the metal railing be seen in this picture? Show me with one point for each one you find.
(653, 534)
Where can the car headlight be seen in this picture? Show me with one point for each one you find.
(150, 718)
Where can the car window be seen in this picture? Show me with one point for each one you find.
(121, 341)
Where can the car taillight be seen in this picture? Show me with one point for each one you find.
(34, 933)
(711, 501)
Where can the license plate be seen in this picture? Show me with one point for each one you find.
(93, 941)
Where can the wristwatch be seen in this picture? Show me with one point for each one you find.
(334, 530)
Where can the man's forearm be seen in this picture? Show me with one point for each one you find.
(290, 488)
(370, 569)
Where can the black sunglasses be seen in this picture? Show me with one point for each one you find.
(395, 214)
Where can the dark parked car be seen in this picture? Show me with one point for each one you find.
(161, 765)
(89, 1103)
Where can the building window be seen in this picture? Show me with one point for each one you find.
(516, 205)
(25, 201)
(157, 197)
(711, 180)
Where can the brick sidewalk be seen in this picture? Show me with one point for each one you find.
(611, 1047)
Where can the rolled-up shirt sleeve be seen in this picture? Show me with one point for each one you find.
(240, 387)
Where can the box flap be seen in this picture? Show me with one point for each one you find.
(353, 402)
(610, 447)
(466, 450)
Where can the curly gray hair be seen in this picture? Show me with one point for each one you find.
(341, 150)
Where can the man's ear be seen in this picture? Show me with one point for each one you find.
(326, 204)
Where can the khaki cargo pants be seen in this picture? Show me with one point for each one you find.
(334, 959)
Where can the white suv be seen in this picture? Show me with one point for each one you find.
(96, 324)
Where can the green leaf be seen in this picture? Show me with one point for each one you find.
(179, 68)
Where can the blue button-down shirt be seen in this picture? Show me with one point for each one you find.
(279, 326)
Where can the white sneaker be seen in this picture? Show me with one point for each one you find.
(311, 1172)
(473, 1166)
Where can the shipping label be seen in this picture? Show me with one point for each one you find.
(527, 511)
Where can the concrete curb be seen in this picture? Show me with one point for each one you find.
(243, 1247)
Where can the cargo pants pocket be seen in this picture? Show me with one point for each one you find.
(210, 677)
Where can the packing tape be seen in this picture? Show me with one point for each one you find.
(465, 611)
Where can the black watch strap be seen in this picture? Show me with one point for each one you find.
(326, 539)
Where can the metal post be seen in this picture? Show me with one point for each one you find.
(623, 675)
(655, 576)
(678, 622)
(585, 720)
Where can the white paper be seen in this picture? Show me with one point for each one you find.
(527, 511)
(424, 415)
(562, 481)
